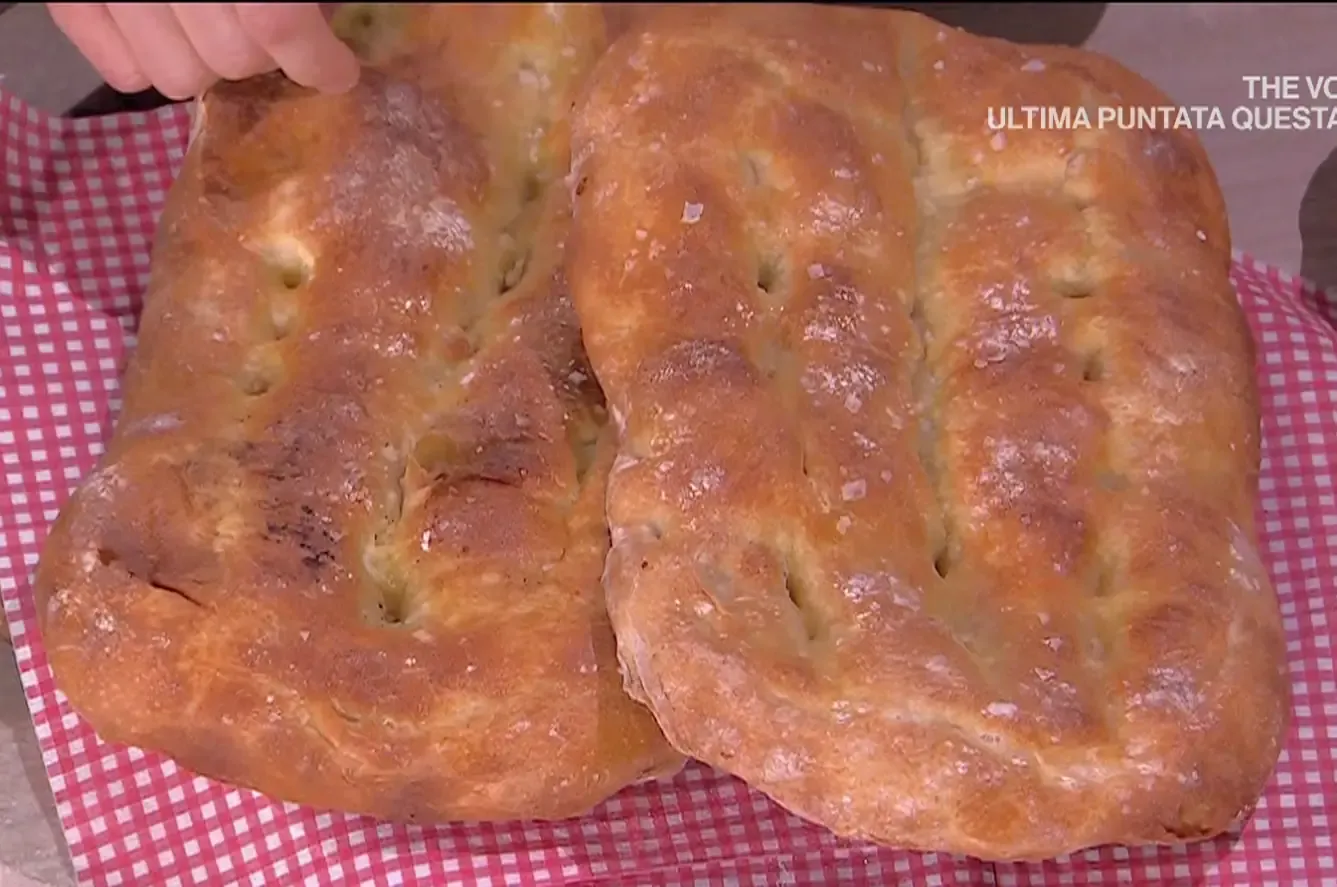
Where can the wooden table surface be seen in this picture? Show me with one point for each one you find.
(1280, 186)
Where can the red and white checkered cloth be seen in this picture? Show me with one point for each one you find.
(78, 206)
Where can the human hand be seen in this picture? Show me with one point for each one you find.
(180, 48)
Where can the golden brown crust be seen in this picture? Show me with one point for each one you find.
(345, 544)
(933, 508)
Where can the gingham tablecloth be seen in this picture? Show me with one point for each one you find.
(78, 205)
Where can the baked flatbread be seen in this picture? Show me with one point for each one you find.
(932, 515)
(346, 542)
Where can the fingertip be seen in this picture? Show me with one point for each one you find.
(343, 76)
(127, 82)
(332, 67)
(179, 90)
(329, 76)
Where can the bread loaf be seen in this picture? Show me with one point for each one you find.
(345, 543)
(933, 509)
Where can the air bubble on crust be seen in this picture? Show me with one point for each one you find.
(255, 385)
(583, 436)
(289, 260)
(1103, 582)
(260, 373)
(390, 603)
(942, 561)
(515, 259)
(289, 265)
(1093, 367)
(283, 312)
(1072, 280)
(756, 169)
(800, 596)
(515, 239)
(771, 276)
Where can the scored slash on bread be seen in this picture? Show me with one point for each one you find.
(932, 514)
(346, 541)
